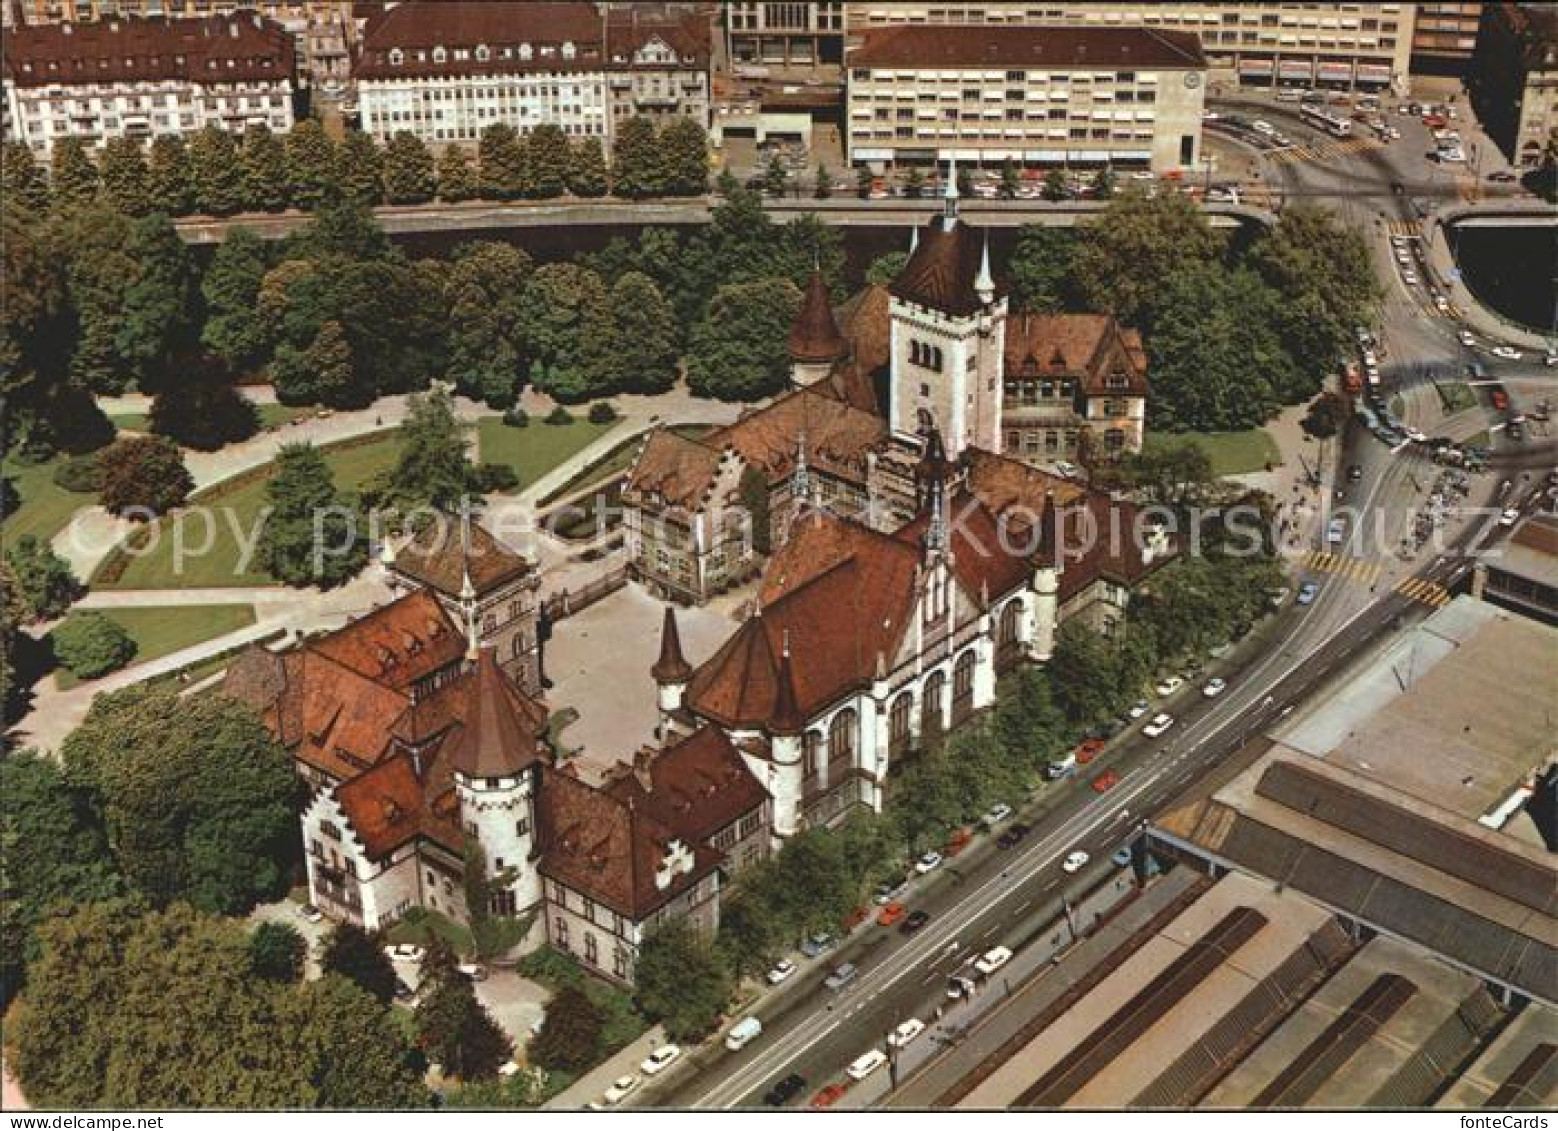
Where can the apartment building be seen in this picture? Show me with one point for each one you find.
(140, 76)
(323, 30)
(1047, 96)
(795, 35)
(446, 71)
(1514, 81)
(1444, 38)
(1257, 43)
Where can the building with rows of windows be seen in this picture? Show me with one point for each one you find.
(447, 71)
(1044, 96)
(139, 77)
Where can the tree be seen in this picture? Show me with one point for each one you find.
(776, 178)
(353, 1051)
(1103, 184)
(501, 154)
(1084, 673)
(169, 180)
(642, 351)
(433, 468)
(1136, 248)
(885, 268)
(738, 349)
(139, 474)
(570, 1032)
(22, 181)
(1040, 268)
(1010, 181)
(53, 853)
(312, 535)
(197, 796)
(636, 167)
(311, 164)
(329, 359)
(1172, 473)
(457, 179)
(567, 331)
(587, 168)
(485, 291)
(680, 981)
(457, 1033)
(341, 229)
(965, 182)
(216, 173)
(124, 176)
(684, 156)
(1326, 416)
(1055, 187)
(277, 952)
(408, 170)
(203, 411)
(824, 183)
(73, 178)
(43, 578)
(864, 179)
(90, 645)
(360, 169)
(265, 187)
(160, 309)
(547, 161)
(234, 329)
(914, 184)
(358, 957)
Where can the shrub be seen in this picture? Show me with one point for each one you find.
(490, 477)
(559, 415)
(77, 474)
(516, 417)
(602, 412)
(91, 645)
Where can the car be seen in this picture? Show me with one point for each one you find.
(474, 971)
(813, 945)
(1088, 749)
(1138, 709)
(1106, 781)
(915, 920)
(1336, 531)
(1508, 353)
(1263, 127)
(404, 952)
(1354, 473)
(1515, 432)
(1466, 338)
(1409, 277)
(1214, 687)
(659, 1060)
(828, 1096)
(960, 986)
(1500, 399)
(311, 913)
(927, 863)
(865, 1064)
(1307, 592)
(1122, 857)
(1510, 516)
(992, 960)
(1013, 836)
(842, 975)
(1160, 723)
(784, 1090)
(508, 1068)
(856, 917)
(997, 813)
(890, 915)
(957, 841)
(619, 1090)
(1550, 358)
(781, 970)
(1169, 684)
(906, 1032)
(890, 889)
(1075, 862)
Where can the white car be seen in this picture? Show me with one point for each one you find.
(404, 952)
(782, 970)
(1508, 353)
(1169, 684)
(997, 814)
(996, 957)
(659, 1060)
(1075, 862)
(1138, 709)
(620, 1087)
(1509, 517)
(1465, 338)
(906, 1032)
(1369, 358)
(1262, 127)
(865, 1064)
(1160, 723)
(928, 863)
(1214, 688)
(1409, 277)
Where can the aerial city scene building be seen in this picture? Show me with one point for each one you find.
(673, 556)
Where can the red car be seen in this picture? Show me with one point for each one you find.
(856, 917)
(1089, 750)
(828, 1096)
(1500, 399)
(1105, 781)
(893, 912)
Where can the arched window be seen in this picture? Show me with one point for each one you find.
(841, 743)
(963, 687)
(811, 764)
(1007, 646)
(899, 729)
(931, 707)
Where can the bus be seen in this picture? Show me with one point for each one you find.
(1324, 119)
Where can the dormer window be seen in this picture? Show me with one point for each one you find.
(440, 55)
(483, 53)
(568, 50)
(526, 51)
(397, 57)
(547, 51)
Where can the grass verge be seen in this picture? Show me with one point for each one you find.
(160, 631)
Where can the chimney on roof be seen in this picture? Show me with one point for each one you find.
(642, 761)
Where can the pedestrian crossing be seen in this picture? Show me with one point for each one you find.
(1347, 568)
(1428, 593)
(1407, 228)
(1321, 151)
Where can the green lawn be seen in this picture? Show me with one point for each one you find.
(534, 450)
(1231, 453)
(129, 421)
(44, 508)
(618, 460)
(159, 631)
(208, 526)
(1455, 396)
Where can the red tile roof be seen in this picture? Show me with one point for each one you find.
(867, 322)
(695, 788)
(672, 666)
(940, 274)
(391, 805)
(1092, 48)
(1093, 347)
(629, 31)
(988, 559)
(465, 25)
(214, 49)
(398, 644)
(501, 728)
(436, 557)
(674, 470)
(815, 335)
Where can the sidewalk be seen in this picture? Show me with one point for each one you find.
(592, 1085)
